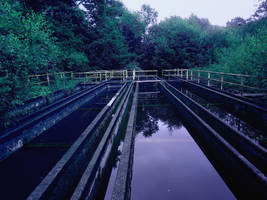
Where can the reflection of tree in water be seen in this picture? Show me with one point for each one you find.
(153, 110)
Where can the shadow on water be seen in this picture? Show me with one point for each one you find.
(26, 168)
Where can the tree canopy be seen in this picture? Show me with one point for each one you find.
(40, 36)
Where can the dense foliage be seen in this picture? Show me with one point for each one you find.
(40, 36)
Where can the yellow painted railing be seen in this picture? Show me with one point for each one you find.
(245, 84)
(93, 76)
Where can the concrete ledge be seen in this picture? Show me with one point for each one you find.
(86, 187)
(15, 139)
(57, 181)
(252, 183)
(257, 114)
(247, 147)
(123, 178)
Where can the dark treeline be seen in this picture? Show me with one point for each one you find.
(42, 36)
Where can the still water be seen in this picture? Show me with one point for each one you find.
(168, 164)
(26, 168)
(219, 109)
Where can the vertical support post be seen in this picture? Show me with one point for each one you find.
(208, 78)
(48, 80)
(191, 74)
(187, 74)
(134, 74)
(221, 82)
(242, 85)
(198, 77)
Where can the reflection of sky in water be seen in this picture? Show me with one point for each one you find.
(170, 165)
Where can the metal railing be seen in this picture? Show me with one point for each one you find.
(93, 76)
(241, 84)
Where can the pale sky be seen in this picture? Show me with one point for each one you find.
(217, 11)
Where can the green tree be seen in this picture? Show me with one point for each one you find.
(149, 15)
(26, 47)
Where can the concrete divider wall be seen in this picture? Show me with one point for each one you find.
(252, 113)
(27, 106)
(87, 187)
(63, 178)
(252, 151)
(56, 96)
(122, 186)
(33, 104)
(12, 143)
(245, 181)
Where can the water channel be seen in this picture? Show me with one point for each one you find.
(167, 162)
(26, 168)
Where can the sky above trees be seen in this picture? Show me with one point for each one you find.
(217, 11)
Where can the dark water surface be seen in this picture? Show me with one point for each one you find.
(168, 164)
(228, 116)
(26, 168)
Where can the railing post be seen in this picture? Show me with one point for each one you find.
(48, 80)
(187, 74)
(208, 78)
(191, 74)
(221, 82)
(134, 74)
(198, 77)
(242, 85)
